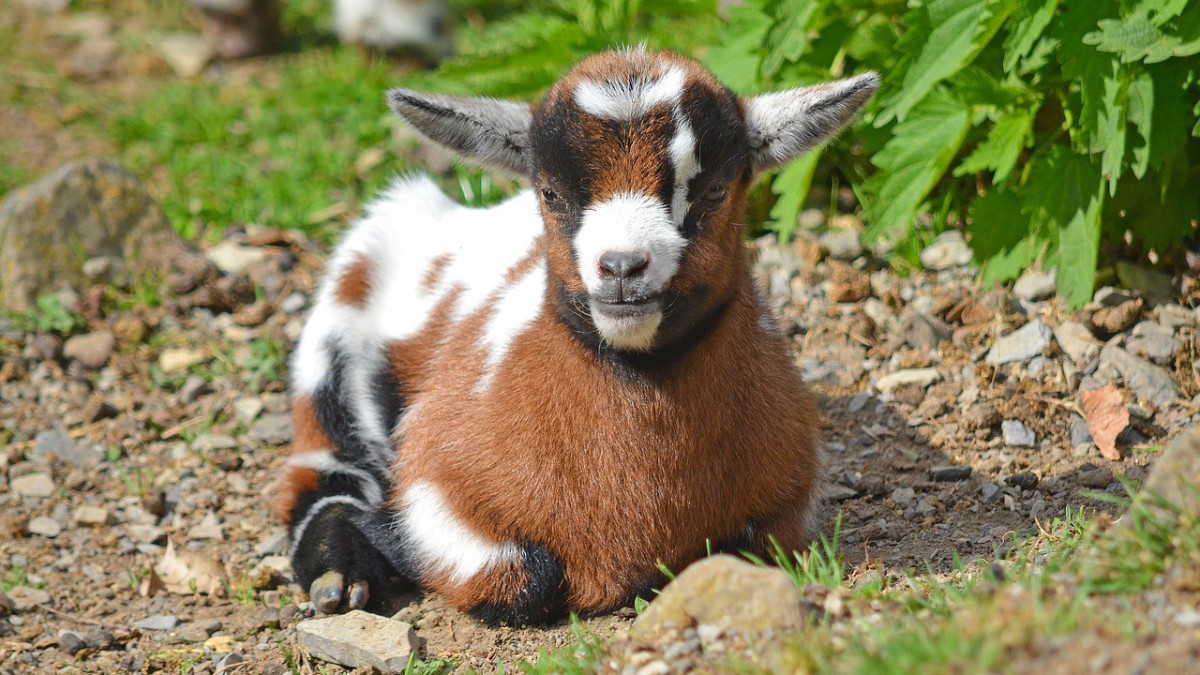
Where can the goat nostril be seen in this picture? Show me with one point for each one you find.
(623, 264)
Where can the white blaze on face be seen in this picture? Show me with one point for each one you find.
(629, 222)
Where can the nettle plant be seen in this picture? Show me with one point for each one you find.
(1056, 129)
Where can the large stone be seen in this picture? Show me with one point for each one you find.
(25, 598)
(726, 592)
(949, 250)
(93, 350)
(38, 485)
(1022, 344)
(1176, 474)
(1077, 341)
(84, 210)
(359, 639)
(61, 446)
(1036, 285)
(1147, 381)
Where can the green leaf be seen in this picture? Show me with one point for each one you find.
(913, 161)
(946, 35)
(792, 185)
(1000, 151)
(789, 37)
(1003, 240)
(1064, 197)
(1139, 36)
(1029, 27)
(736, 60)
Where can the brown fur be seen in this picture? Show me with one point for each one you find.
(354, 286)
(307, 436)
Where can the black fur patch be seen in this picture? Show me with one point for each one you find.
(335, 414)
(331, 543)
(543, 599)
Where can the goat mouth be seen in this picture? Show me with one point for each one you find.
(628, 307)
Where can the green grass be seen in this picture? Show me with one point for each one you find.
(50, 316)
(17, 576)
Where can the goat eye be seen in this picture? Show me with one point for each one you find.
(715, 193)
(549, 196)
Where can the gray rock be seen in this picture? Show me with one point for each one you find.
(922, 331)
(193, 388)
(949, 250)
(84, 210)
(989, 491)
(276, 544)
(842, 243)
(949, 473)
(247, 409)
(226, 662)
(71, 643)
(65, 448)
(1153, 341)
(99, 638)
(1036, 285)
(1017, 435)
(293, 303)
(146, 534)
(1022, 344)
(921, 377)
(1147, 381)
(358, 639)
(1077, 342)
(726, 592)
(44, 526)
(158, 622)
(273, 429)
(33, 485)
(858, 402)
(1080, 434)
(211, 442)
(103, 269)
(93, 350)
(1108, 296)
(209, 529)
(187, 54)
(92, 516)
(1177, 473)
(233, 258)
(836, 492)
(904, 496)
(25, 598)
(1096, 478)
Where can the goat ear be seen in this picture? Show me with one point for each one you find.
(488, 131)
(786, 124)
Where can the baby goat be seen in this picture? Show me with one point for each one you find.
(527, 407)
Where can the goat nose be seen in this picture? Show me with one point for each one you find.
(623, 264)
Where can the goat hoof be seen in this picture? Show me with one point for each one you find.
(357, 594)
(326, 591)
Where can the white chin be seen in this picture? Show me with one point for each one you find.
(629, 333)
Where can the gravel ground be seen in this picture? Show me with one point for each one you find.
(139, 449)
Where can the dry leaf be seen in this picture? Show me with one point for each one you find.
(151, 585)
(189, 572)
(1107, 417)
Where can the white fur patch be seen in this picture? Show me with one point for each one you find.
(629, 222)
(624, 99)
(442, 541)
(325, 462)
(783, 125)
(516, 308)
(389, 24)
(686, 165)
(403, 235)
(629, 333)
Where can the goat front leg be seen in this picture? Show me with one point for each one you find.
(341, 548)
